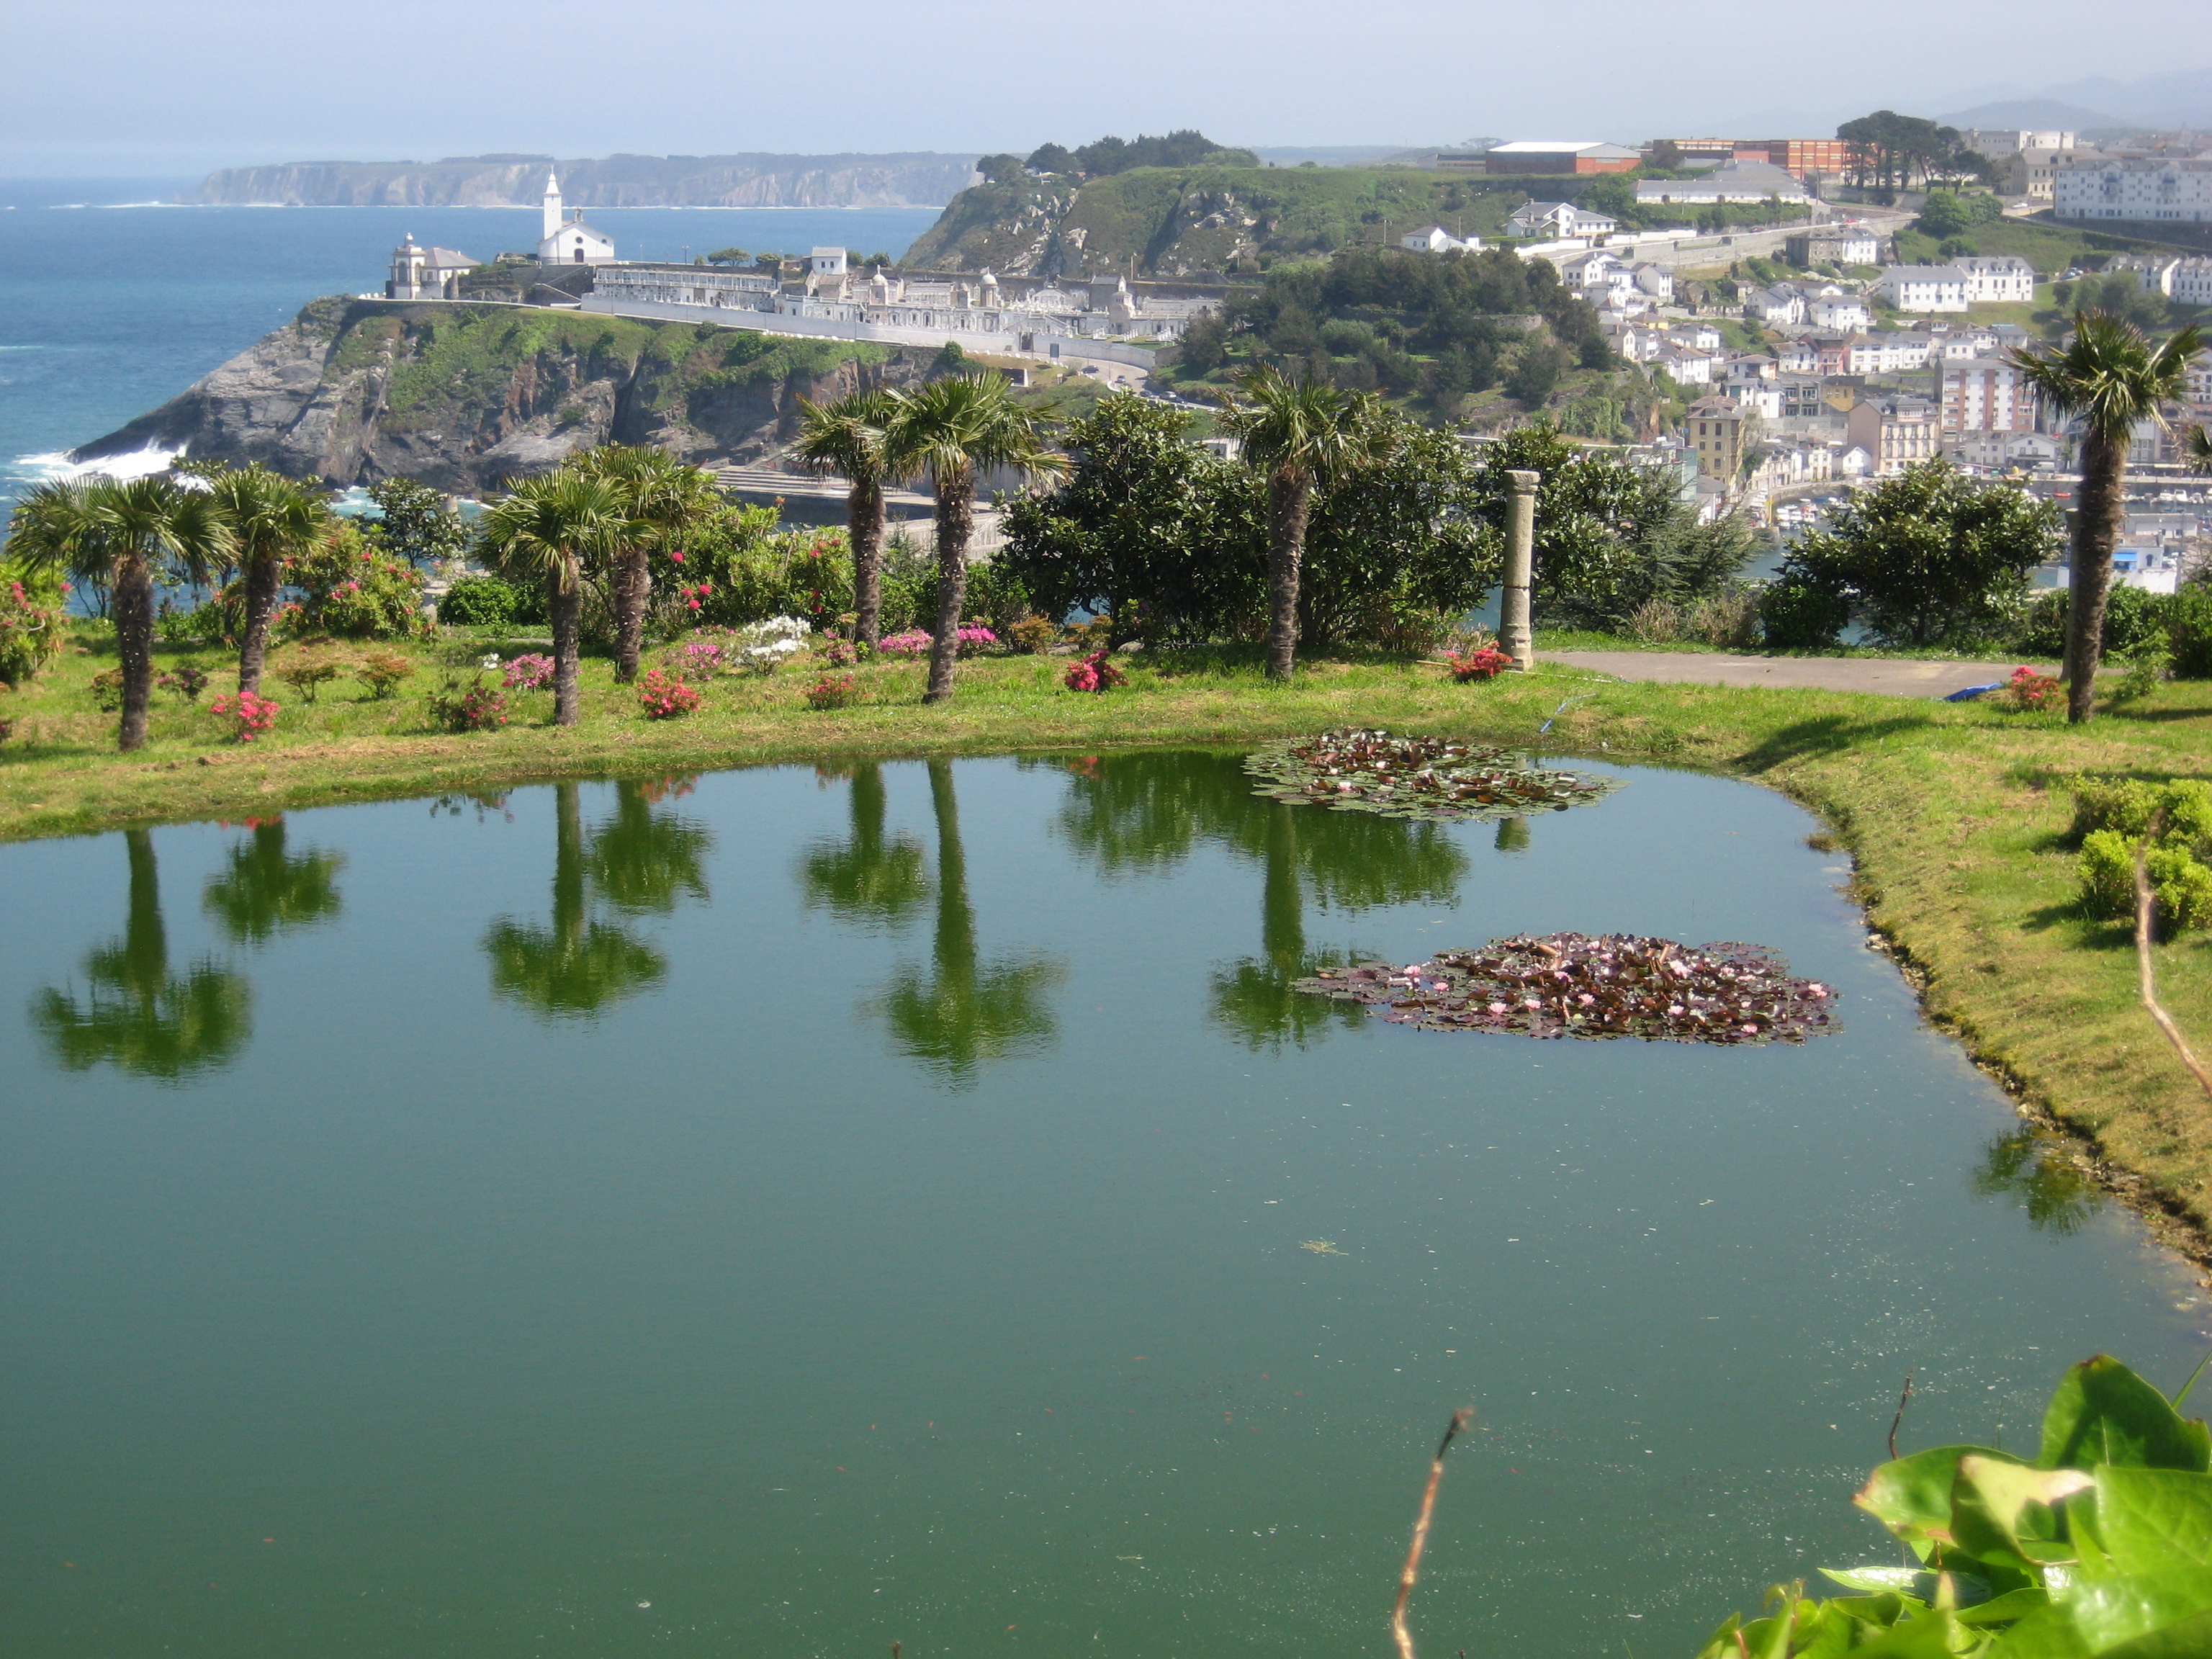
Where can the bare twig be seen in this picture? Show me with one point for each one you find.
(1461, 1419)
(1902, 1400)
(2146, 915)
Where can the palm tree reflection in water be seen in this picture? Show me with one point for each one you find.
(870, 880)
(1140, 812)
(639, 862)
(961, 1011)
(136, 1013)
(267, 889)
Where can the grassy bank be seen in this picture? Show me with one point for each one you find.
(1956, 813)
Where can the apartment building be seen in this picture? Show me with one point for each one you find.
(1983, 394)
(2141, 190)
(1895, 432)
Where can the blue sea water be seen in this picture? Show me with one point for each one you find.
(112, 303)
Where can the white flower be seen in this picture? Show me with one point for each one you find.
(492, 661)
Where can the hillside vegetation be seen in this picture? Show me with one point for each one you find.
(1181, 221)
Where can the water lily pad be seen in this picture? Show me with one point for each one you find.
(1617, 985)
(1371, 771)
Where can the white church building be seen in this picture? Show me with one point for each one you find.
(425, 273)
(570, 241)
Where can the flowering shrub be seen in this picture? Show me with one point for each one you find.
(1095, 673)
(833, 691)
(663, 697)
(972, 638)
(473, 707)
(187, 679)
(1483, 665)
(106, 688)
(912, 643)
(763, 645)
(2028, 690)
(30, 625)
(694, 595)
(381, 672)
(531, 671)
(842, 654)
(1033, 634)
(248, 714)
(349, 589)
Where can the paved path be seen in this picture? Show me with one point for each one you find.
(1900, 677)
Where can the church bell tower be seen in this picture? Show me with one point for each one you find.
(552, 205)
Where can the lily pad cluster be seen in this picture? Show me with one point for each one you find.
(1617, 985)
(1371, 771)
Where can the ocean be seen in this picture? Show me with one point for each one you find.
(112, 302)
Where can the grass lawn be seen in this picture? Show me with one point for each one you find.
(1956, 814)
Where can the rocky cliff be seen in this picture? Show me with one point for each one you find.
(462, 396)
(922, 179)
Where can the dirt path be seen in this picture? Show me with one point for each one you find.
(1899, 678)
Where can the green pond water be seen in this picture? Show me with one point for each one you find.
(782, 1214)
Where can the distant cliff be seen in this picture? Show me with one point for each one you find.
(462, 396)
(923, 179)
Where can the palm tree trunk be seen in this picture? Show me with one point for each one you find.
(633, 584)
(1289, 504)
(134, 639)
(956, 519)
(566, 602)
(261, 590)
(2096, 533)
(953, 946)
(864, 511)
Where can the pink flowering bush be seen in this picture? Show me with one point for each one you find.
(1483, 665)
(30, 625)
(531, 671)
(1095, 673)
(2029, 689)
(972, 638)
(247, 715)
(912, 643)
(664, 696)
(469, 707)
(833, 691)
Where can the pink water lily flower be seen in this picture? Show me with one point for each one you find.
(1497, 1008)
(1675, 1010)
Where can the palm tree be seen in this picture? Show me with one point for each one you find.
(2197, 449)
(268, 888)
(663, 497)
(272, 519)
(123, 534)
(966, 1010)
(846, 437)
(558, 530)
(949, 429)
(136, 1014)
(2108, 377)
(1301, 433)
(873, 878)
(578, 965)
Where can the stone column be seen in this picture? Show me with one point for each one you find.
(1514, 636)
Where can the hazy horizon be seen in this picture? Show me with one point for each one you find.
(126, 88)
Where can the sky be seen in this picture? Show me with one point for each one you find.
(172, 88)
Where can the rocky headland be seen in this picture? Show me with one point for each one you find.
(463, 397)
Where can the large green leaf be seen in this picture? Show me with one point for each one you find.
(2006, 1517)
(2103, 1412)
(1911, 1496)
(2150, 1519)
(2147, 1615)
(1936, 1635)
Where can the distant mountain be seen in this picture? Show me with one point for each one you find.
(922, 179)
(2045, 112)
(2181, 98)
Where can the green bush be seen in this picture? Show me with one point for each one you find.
(2189, 631)
(2114, 815)
(2133, 619)
(2108, 874)
(484, 602)
(2131, 806)
(30, 620)
(1797, 616)
(348, 588)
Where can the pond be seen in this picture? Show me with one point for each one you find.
(785, 1213)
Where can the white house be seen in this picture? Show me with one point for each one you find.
(1832, 245)
(1436, 240)
(1844, 311)
(569, 241)
(1557, 220)
(1687, 365)
(425, 273)
(1886, 354)
(1799, 357)
(1995, 281)
(2144, 190)
(1657, 281)
(2187, 280)
(1924, 288)
(1774, 305)
(1751, 368)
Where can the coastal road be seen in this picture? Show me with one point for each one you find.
(1899, 678)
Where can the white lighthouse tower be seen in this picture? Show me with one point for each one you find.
(552, 220)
